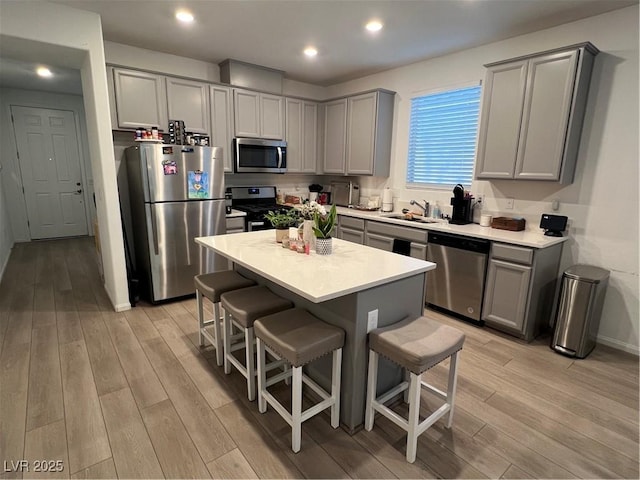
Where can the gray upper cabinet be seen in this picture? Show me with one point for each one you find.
(189, 101)
(258, 115)
(222, 122)
(335, 136)
(140, 99)
(301, 135)
(533, 110)
(358, 133)
(500, 120)
(369, 128)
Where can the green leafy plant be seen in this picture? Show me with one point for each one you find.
(324, 224)
(283, 218)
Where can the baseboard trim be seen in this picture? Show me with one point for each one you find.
(5, 263)
(120, 307)
(618, 345)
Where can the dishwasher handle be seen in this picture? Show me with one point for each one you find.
(478, 245)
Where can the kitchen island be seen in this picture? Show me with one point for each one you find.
(355, 288)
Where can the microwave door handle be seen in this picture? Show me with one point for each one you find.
(279, 149)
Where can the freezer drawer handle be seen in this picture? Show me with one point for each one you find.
(154, 232)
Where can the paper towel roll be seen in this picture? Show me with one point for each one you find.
(387, 200)
(387, 195)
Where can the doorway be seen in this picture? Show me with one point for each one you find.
(50, 167)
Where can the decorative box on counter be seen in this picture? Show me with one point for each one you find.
(508, 223)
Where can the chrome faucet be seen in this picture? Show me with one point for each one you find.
(424, 208)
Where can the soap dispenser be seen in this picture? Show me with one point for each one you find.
(436, 210)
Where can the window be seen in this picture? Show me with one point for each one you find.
(442, 137)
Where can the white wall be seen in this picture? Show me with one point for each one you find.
(602, 203)
(6, 236)
(65, 36)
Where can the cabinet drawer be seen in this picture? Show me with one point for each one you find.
(351, 222)
(236, 224)
(512, 253)
(396, 231)
(355, 236)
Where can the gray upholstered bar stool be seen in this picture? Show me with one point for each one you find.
(416, 345)
(211, 286)
(297, 338)
(242, 308)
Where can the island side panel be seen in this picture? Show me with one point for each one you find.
(394, 302)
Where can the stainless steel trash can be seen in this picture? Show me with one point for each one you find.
(579, 310)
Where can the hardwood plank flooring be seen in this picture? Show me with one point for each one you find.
(133, 395)
(46, 451)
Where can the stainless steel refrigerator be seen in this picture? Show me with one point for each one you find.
(176, 193)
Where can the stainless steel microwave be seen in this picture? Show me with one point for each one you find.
(257, 155)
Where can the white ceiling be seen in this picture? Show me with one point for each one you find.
(273, 33)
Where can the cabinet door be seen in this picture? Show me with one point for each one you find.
(502, 104)
(335, 129)
(547, 105)
(112, 99)
(506, 294)
(294, 135)
(247, 113)
(379, 241)
(222, 123)
(309, 137)
(350, 235)
(361, 130)
(189, 101)
(141, 99)
(271, 116)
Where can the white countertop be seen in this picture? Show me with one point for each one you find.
(350, 268)
(524, 237)
(236, 213)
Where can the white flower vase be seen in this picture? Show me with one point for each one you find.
(324, 246)
(307, 234)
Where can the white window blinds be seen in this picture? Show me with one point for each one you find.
(442, 137)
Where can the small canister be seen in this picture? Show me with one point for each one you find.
(485, 220)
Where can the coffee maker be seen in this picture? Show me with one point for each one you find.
(462, 204)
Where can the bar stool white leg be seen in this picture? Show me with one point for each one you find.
(451, 387)
(414, 417)
(251, 363)
(372, 381)
(296, 408)
(218, 332)
(200, 317)
(228, 330)
(262, 375)
(335, 387)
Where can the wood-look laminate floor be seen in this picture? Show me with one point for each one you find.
(131, 395)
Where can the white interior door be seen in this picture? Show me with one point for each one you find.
(49, 159)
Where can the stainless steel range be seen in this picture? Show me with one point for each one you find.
(256, 202)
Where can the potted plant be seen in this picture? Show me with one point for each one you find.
(322, 229)
(281, 220)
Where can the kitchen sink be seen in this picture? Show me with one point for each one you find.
(409, 218)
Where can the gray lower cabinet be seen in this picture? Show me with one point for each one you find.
(301, 134)
(520, 288)
(351, 229)
(140, 99)
(382, 235)
(235, 224)
(532, 115)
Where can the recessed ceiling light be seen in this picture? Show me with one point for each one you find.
(184, 16)
(44, 72)
(374, 26)
(310, 52)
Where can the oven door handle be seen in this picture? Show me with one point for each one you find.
(279, 149)
(255, 224)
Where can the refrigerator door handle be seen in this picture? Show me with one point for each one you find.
(154, 230)
(279, 149)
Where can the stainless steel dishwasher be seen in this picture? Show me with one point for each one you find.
(457, 283)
